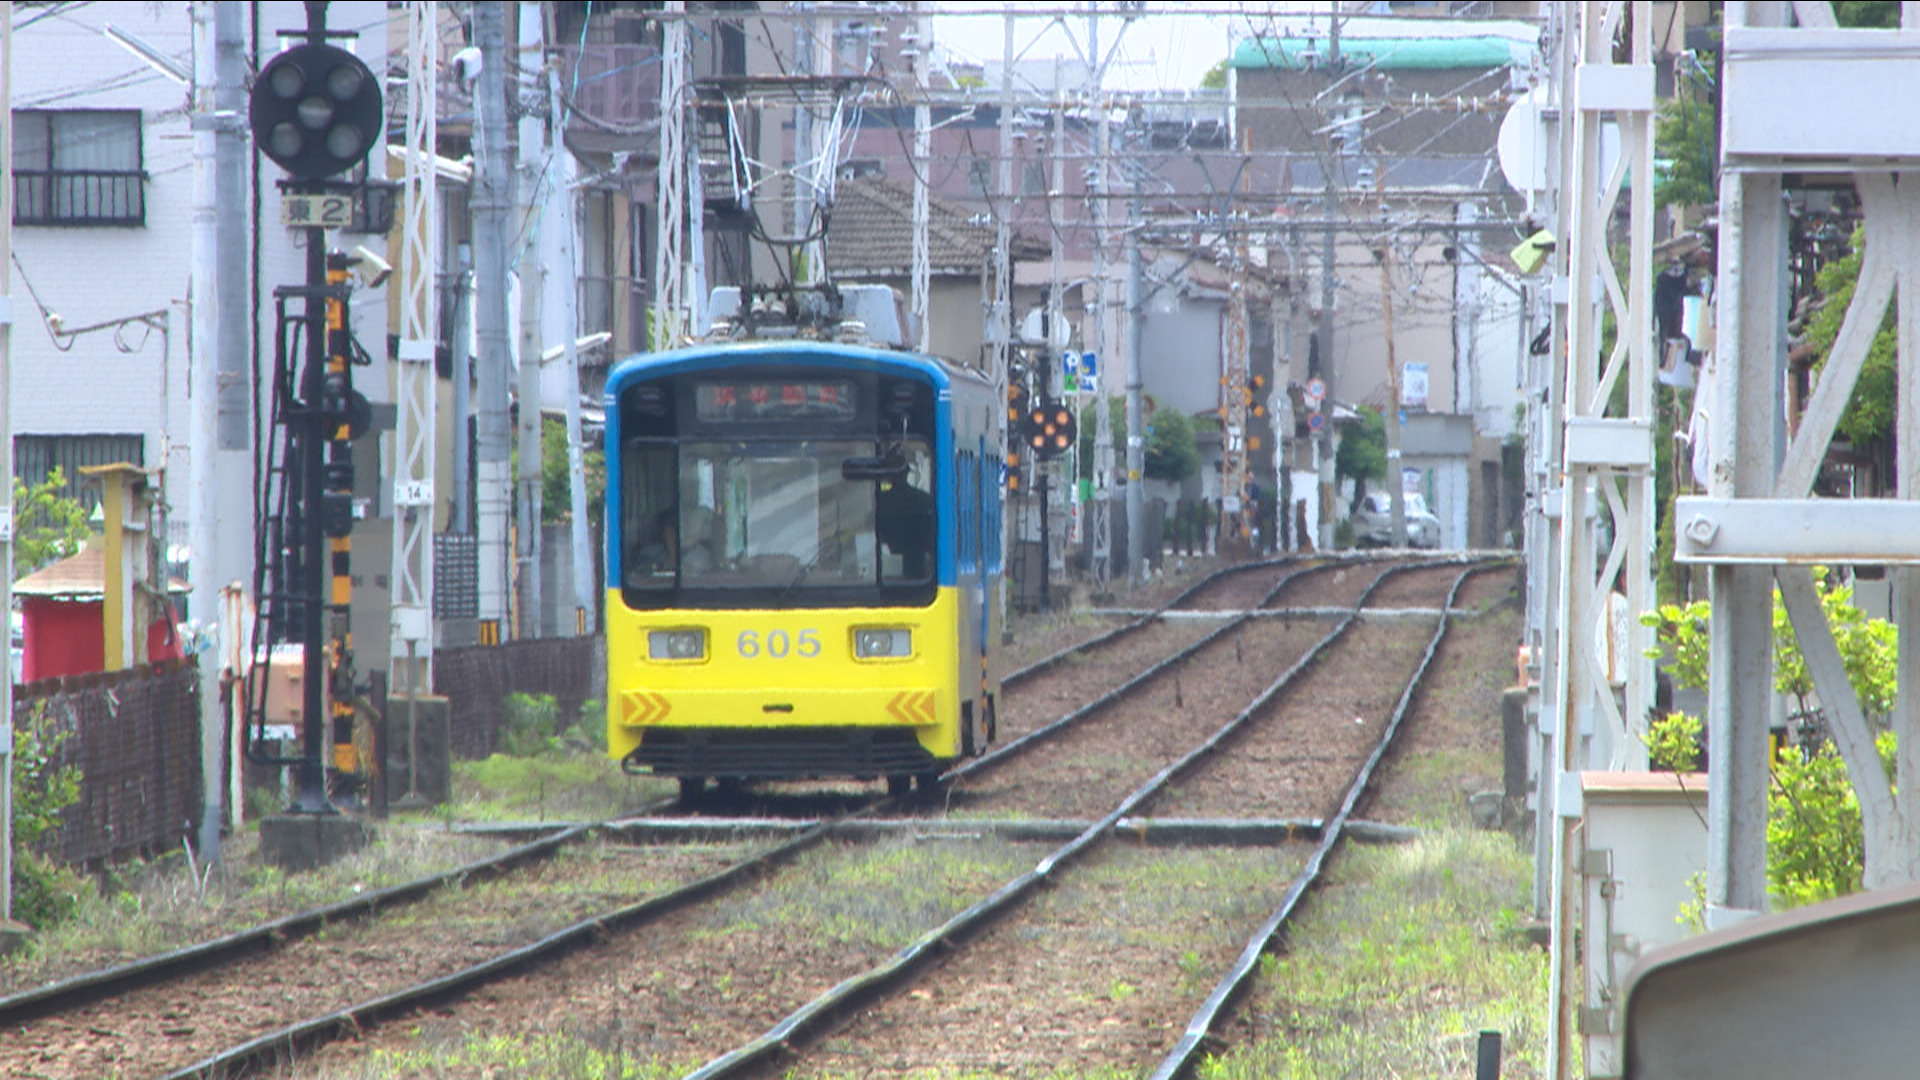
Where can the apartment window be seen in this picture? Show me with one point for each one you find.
(78, 167)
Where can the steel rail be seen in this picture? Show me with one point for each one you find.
(1141, 621)
(264, 937)
(1200, 1029)
(290, 1043)
(285, 1044)
(832, 1008)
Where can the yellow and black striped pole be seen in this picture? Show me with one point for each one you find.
(337, 510)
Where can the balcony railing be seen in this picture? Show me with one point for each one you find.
(79, 198)
(613, 94)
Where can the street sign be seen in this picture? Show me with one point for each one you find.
(1090, 372)
(1070, 371)
(1315, 421)
(334, 211)
(1315, 393)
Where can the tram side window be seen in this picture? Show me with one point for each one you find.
(647, 519)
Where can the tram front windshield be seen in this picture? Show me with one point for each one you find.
(723, 521)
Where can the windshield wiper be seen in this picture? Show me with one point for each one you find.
(812, 561)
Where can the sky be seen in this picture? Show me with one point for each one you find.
(1167, 49)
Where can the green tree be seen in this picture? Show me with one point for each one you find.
(1362, 456)
(1868, 14)
(1172, 454)
(44, 890)
(48, 526)
(1869, 417)
(1215, 78)
(1687, 140)
(556, 499)
(1816, 844)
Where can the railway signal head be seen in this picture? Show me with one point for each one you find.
(1051, 429)
(315, 110)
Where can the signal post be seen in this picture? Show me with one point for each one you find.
(316, 110)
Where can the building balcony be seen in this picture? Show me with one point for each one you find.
(612, 94)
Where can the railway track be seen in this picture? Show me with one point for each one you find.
(866, 1027)
(110, 990)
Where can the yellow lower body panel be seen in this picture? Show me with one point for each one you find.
(784, 693)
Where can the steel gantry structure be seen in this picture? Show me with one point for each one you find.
(1760, 525)
(1599, 683)
(414, 422)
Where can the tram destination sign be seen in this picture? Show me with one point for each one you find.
(774, 400)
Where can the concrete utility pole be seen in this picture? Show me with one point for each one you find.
(1235, 396)
(1100, 522)
(1137, 560)
(492, 187)
(532, 277)
(1000, 318)
(804, 150)
(922, 206)
(1396, 485)
(219, 405)
(220, 408)
(8, 927)
(1330, 209)
(563, 221)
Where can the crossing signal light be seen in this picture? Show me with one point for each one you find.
(1016, 403)
(1051, 429)
(315, 110)
(1013, 469)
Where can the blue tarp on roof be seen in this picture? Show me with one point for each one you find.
(1386, 54)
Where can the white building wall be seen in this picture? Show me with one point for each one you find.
(134, 379)
(128, 381)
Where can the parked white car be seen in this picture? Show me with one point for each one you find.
(1373, 522)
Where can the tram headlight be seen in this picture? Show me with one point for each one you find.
(882, 642)
(676, 644)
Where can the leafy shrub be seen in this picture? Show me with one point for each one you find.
(1816, 846)
(1673, 743)
(44, 891)
(532, 727)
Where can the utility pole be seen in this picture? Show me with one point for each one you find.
(1000, 301)
(1137, 561)
(1000, 319)
(1330, 210)
(235, 391)
(8, 927)
(1396, 485)
(922, 208)
(492, 187)
(217, 119)
(1235, 395)
(1101, 522)
(532, 284)
(804, 151)
(563, 201)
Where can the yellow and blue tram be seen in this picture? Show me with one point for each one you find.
(803, 553)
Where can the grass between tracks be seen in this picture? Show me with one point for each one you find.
(1395, 965)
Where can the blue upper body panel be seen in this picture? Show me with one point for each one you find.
(723, 355)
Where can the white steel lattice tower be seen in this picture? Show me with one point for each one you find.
(415, 394)
(669, 280)
(1605, 679)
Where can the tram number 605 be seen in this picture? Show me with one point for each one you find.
(779, 644)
